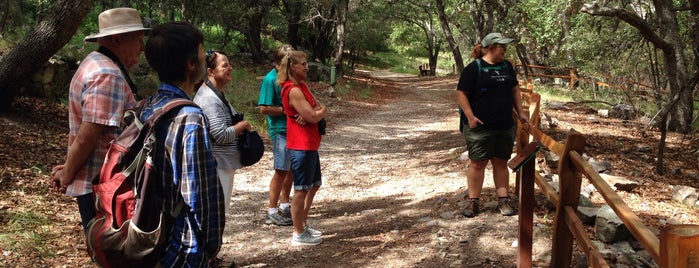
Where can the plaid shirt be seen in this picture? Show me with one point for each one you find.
(183, 155)
(99, 94)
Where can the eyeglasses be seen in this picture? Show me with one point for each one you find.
(210, 57)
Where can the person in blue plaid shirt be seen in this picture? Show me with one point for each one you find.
(183, 148)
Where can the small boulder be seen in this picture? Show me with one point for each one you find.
(609, 227)
(622, 111)
(684, 194)
(587, 215)
(620, 183)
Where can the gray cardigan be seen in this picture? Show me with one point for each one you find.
(223, 137)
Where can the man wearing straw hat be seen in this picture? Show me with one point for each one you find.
(100, 91)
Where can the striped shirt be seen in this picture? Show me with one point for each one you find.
(225, 145)
(183, 155)
(98, 94)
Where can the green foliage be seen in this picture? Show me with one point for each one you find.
(17, 18)
(387, 60)
(367, 29)
(401, 63)
(351, 87)
(394, 34)
(645, 107)
(243, 92)
(407, 38)
(24, 231)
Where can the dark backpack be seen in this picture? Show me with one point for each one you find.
(463, 119)
(130, 228)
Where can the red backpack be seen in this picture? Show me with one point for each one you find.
(130, 228)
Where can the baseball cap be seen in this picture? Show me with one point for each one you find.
(493, 38)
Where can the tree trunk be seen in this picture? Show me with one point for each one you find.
(257, 10)
(293, 10)
(664, 35)
(322, 41)
(340, 36)
(434, 56)
(47, 37)
(676, 67)
(694, 24)
(664, 114)
(523, 58)
(450, 38)
(253, 37)
(475, 12)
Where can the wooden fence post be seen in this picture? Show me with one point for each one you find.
(679, 246)
(526, 212)
(569, 193)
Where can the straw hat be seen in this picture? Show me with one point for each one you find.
(117, 21)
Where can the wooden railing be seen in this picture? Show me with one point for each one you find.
(571, 76)
(678, 245)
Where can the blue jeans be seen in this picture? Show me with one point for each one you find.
(281, 154)
(305, 166)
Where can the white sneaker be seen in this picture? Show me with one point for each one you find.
(313, 232)
(305, 238)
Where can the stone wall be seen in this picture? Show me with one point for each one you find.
(52, 81)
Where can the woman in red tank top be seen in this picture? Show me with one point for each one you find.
(303, 141)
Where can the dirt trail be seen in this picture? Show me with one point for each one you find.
(393, 185)
(392, 191)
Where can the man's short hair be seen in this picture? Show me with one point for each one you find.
(170, 47)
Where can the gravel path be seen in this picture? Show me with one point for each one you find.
(392, 192)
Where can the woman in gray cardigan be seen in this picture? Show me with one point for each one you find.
(220, 113)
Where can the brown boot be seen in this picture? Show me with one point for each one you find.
(505, 208)
(472, 208)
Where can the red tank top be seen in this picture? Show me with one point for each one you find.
(298, 137)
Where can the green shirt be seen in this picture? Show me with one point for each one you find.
(271, 95)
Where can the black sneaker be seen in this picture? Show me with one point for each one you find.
(505, 208)
(471, 209)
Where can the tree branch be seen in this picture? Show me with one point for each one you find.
(632, 19)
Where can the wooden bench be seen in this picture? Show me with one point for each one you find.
(425, 70)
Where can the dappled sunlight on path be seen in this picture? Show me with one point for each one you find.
(392, 188)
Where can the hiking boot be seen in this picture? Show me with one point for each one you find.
(305, 238)
(278, 219)
(471, 209)
(505, 208)
(313, 232)
(286, 212)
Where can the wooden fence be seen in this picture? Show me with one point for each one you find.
(571, 76)
(677, 246)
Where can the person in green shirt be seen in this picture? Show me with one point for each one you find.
(270, 104)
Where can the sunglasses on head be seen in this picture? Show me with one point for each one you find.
(210, 56)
